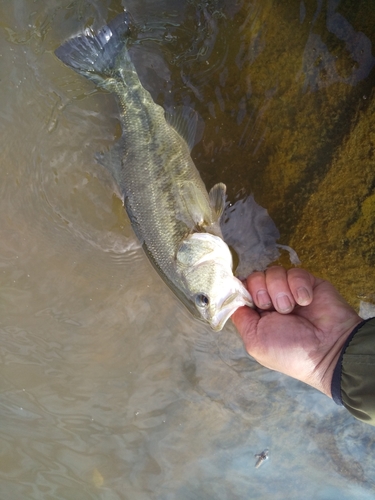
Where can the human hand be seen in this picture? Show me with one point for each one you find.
(300, 326)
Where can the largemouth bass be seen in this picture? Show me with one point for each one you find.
(173, 216)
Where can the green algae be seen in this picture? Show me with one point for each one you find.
(305, 143)
(335, 233)
(323, 171)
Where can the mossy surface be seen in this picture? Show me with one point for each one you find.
(335, 235)
(290, 117)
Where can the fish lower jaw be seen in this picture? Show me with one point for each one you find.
(222, 317)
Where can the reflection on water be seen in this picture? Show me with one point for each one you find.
(109, 389)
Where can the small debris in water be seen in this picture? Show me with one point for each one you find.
(97, 478)
(262, 457)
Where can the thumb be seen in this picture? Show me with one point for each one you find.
(246, 321)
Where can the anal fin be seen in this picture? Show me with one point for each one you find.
(112, 160)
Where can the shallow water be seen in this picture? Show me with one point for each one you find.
(109, 389)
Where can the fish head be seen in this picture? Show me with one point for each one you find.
(205, 264)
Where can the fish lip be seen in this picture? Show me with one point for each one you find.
(229, 306)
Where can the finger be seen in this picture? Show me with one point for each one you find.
(256, 283)
(301, 285)
(246, 321)
(278, 289)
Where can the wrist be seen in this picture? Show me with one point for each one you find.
(329, 372)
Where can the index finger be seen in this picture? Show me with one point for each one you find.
(281, 288)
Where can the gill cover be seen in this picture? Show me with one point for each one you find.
(205, 265)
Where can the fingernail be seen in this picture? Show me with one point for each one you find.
(303, 296)
(263, 299)
(283, 303)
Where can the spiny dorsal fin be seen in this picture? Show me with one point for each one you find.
(195, 211)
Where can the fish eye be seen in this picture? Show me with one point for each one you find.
(201, 300)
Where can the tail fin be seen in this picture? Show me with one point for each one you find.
(94, 56)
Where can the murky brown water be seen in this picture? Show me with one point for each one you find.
(109, 389)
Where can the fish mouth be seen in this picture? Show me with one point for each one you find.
(229, 305)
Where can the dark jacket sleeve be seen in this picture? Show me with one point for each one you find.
(353, 382)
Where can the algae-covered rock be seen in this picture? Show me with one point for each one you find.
(335, 236)
(291, 118)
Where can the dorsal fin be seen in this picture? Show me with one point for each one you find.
(217, 198)
(194, 209)
(187, 124)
